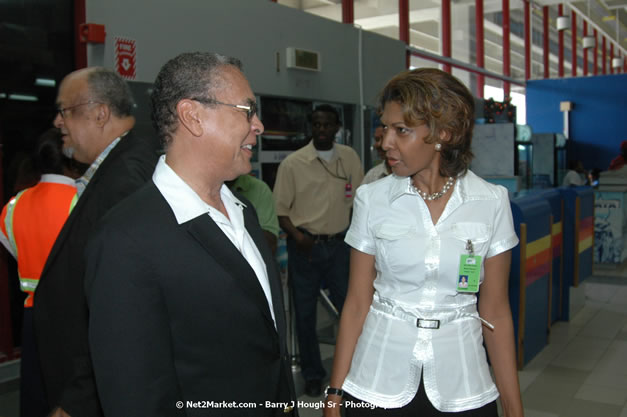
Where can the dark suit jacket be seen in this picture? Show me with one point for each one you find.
(60, 307)
(177, 314)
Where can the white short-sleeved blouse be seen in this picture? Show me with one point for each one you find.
(417, 265)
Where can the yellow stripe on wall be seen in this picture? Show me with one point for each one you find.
(538, 246)
(585, 244)
(557, 228)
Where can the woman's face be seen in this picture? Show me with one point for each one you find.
(405, 149)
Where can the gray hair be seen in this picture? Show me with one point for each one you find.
(191, 75)
(107, 87)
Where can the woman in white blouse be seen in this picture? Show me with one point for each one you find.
(411, 337)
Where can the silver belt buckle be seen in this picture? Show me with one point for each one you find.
(428, 324)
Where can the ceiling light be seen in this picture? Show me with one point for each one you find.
(588, 42)
(23, 97)
(45, 82)
(563, 23)
(2, 95)
(617, 62)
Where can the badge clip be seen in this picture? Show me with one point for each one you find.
(470, 248)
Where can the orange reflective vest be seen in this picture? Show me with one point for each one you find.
(31, 222)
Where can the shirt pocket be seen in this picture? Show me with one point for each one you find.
(479, 236)
(398, 246)
(477, 233)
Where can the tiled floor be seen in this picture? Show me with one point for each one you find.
(582, 372)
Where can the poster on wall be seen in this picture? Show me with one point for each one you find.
(125, 61)
(608, 228)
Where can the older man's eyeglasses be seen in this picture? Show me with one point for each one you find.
(62, 111)
(250, 108)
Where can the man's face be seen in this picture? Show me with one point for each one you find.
(230, 135)
(378, 140)
(324, 128)
(77, 123)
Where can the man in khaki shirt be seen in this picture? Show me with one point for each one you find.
(314, 193)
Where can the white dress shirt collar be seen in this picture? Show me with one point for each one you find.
(183, 200)
(466, 188)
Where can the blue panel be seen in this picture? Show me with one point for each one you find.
(585, 264)
(533, 210)
(568, 233)
(586, 195)
(556, 295)
(586, 207)
(536, 315)
(597, 121)
(554, 198)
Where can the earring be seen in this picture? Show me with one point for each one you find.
(438, 147)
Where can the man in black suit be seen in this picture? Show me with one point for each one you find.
(186, 311)
(94, 116)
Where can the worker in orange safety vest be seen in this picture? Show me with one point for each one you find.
(29, 225)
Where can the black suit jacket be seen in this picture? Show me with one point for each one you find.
(61, 315)
(177, 314)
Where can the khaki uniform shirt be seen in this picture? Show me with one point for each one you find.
(313, 193)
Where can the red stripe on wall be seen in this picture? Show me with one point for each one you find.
(586, 222)
(537, 273)
(585, 233)
(540, 258)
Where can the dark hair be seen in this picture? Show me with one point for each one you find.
(325, 108)
(107, 87)
(48, 157)
(440, 101)
(189, 75)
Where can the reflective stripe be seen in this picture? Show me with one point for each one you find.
(73, 203)
(28, 284)
(8, 221)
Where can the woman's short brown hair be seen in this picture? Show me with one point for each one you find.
(437, 99)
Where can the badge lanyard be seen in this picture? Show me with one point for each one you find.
(469, 270)
(348, 187)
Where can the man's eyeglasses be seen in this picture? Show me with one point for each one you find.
(62, 111)
(251, 108)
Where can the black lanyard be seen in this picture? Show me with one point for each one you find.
(336, 175)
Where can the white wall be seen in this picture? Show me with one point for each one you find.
(253, 31)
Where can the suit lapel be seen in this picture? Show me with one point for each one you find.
(214, 241)
(84, 199)
(273, 277)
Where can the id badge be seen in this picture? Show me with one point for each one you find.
(469, 270)
(469, 273)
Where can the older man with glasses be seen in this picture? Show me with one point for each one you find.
(186, 310)
(95, 120)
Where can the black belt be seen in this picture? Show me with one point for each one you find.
(324, 238)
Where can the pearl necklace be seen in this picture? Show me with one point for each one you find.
(449, 183)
